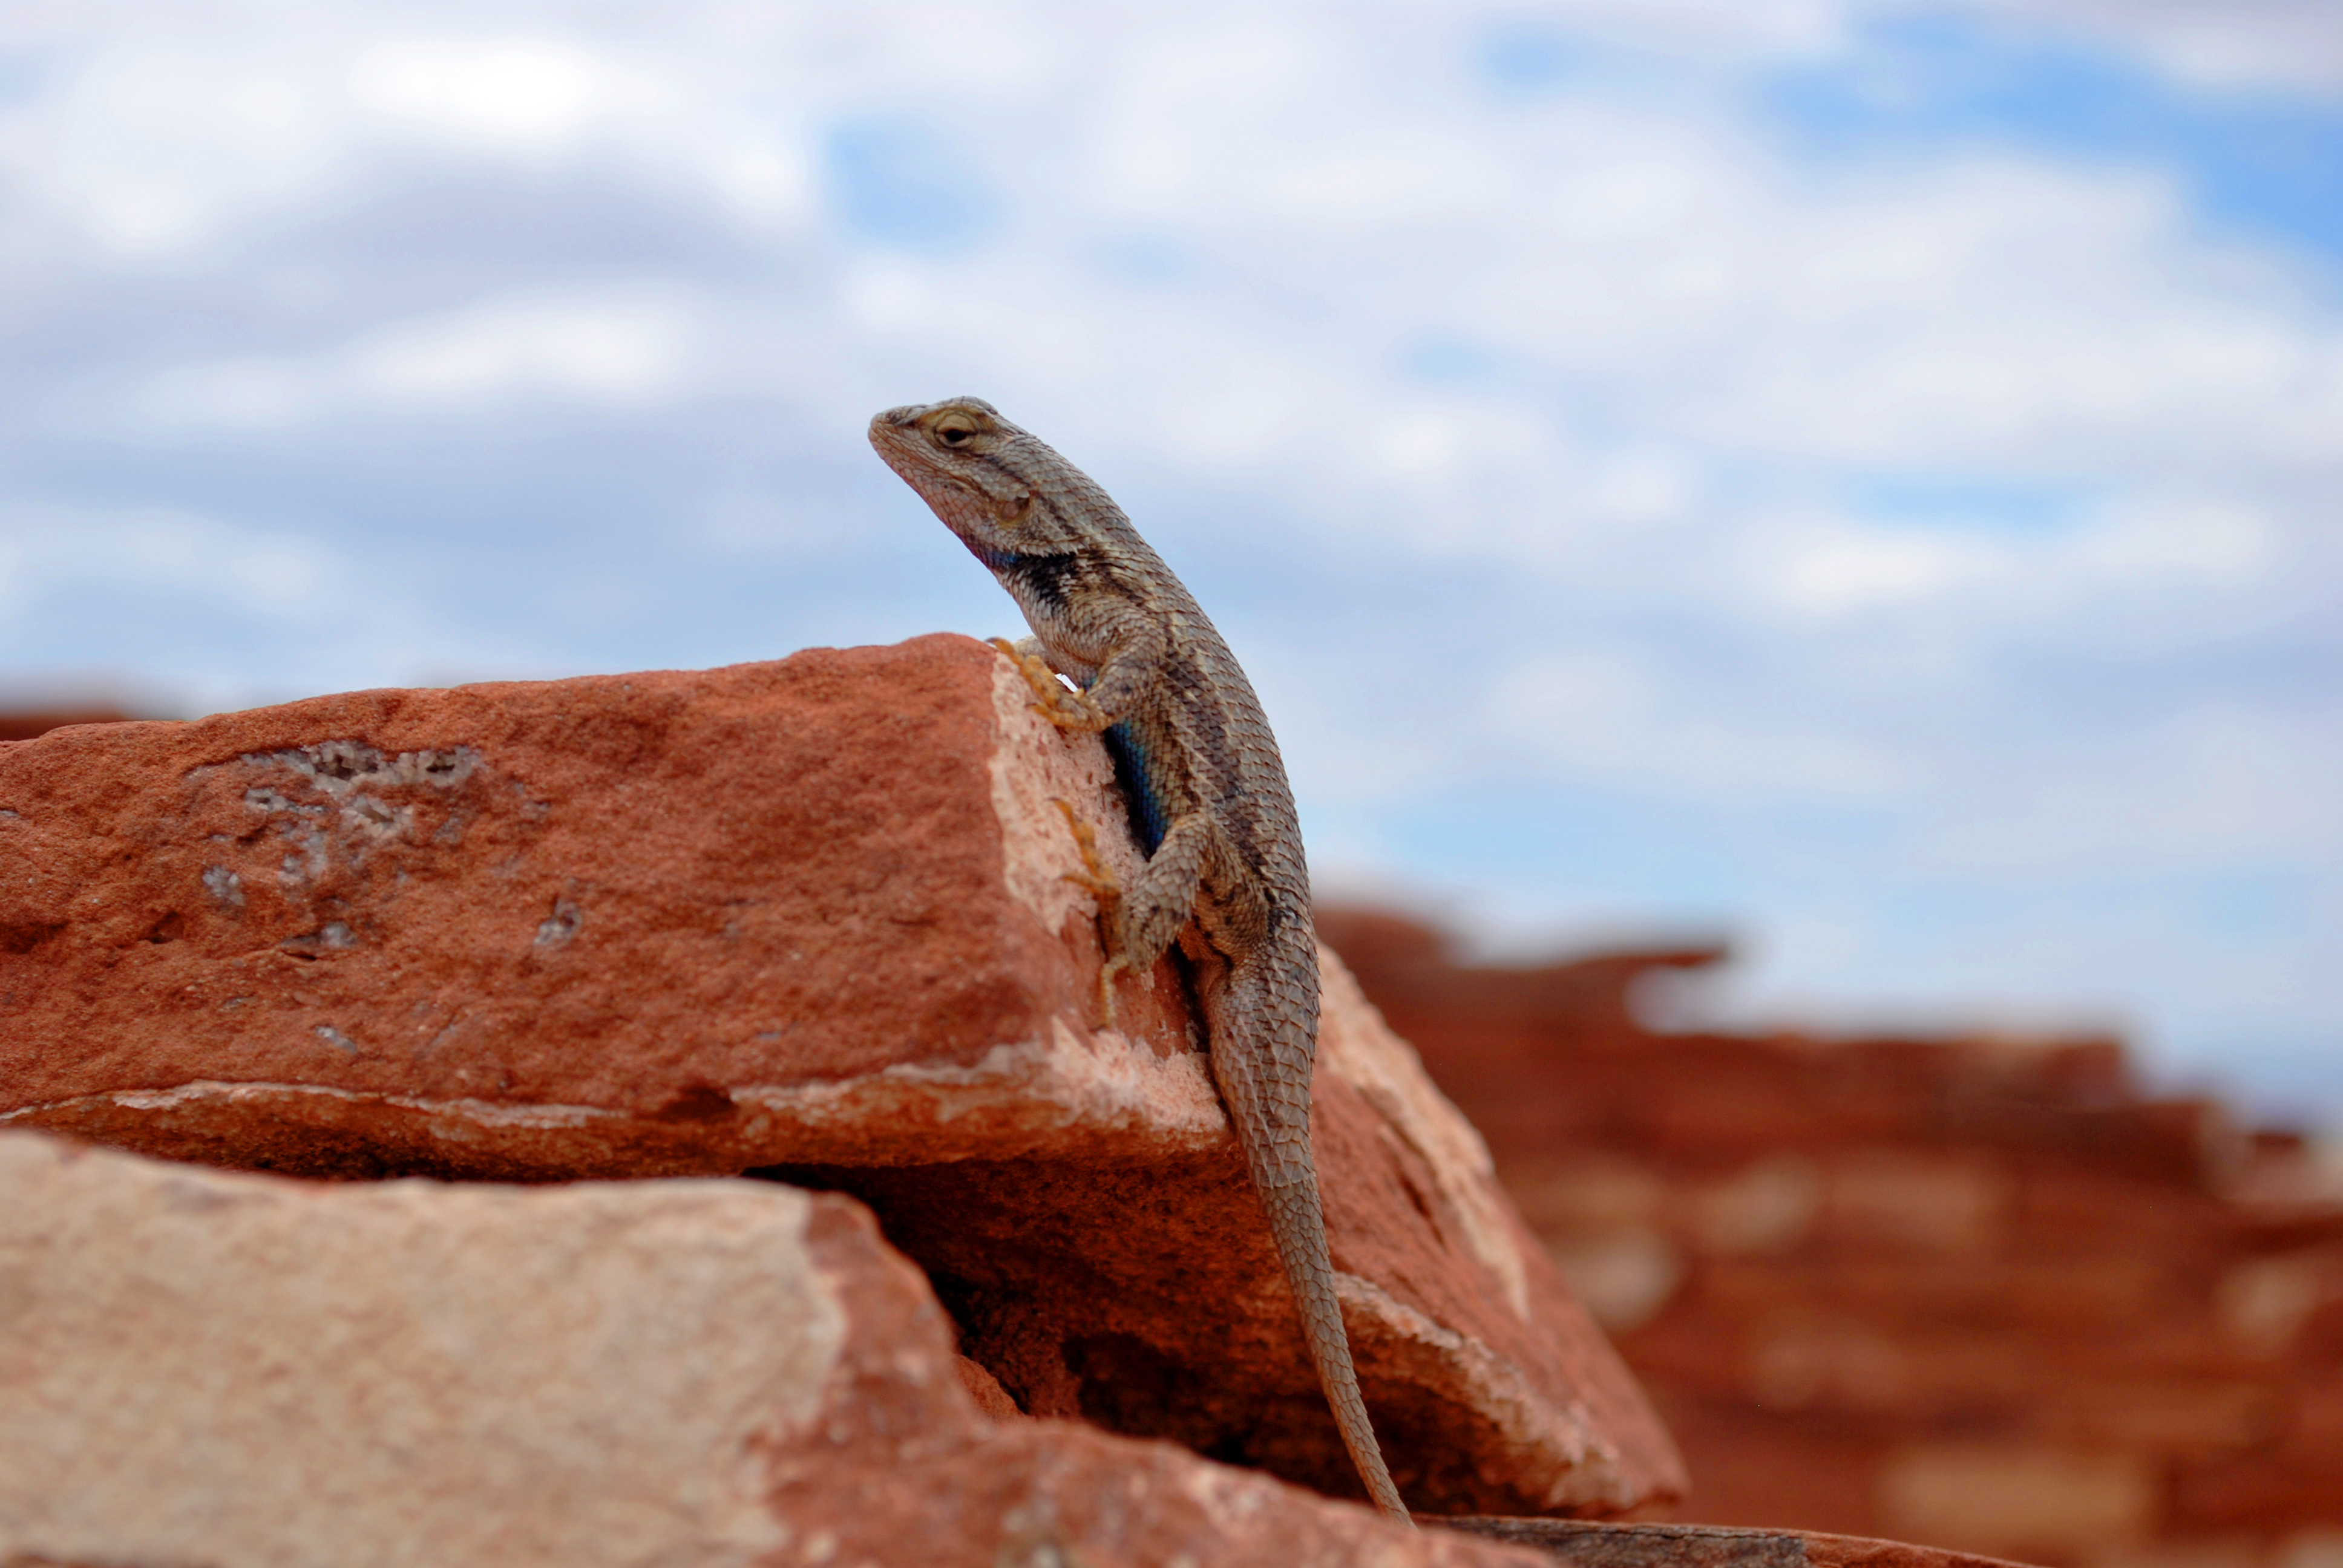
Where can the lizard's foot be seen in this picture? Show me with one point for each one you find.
(1098, 879)
(1066, 710)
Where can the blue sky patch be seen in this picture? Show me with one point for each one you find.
(1965, 501)
(1601, 847)
(901, 183)
(1523, 59)
(2265, 161)
(1446, 360)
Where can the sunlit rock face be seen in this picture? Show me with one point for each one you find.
(207, 1366)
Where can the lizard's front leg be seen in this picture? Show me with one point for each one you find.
(1137, 922)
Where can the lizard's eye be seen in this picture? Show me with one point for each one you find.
(955, 434)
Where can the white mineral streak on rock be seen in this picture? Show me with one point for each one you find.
(204, 1367)
(1076, 1082)
(1357, 1045)
(1018, 1098)
(1034, 763)
(206, 1093)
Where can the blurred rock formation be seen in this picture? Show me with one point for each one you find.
(1983, 1293)
(27, 723)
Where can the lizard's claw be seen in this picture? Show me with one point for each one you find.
(1096, 874)
(1066, 710)
(1098, 879)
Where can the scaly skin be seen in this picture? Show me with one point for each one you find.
(1210, 800)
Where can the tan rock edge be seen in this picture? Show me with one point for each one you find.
(806, 919)
(253, 1373)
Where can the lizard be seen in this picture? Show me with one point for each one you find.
(1210, 805)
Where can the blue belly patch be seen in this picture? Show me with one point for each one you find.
(1130, 771)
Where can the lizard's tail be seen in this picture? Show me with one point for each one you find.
(1264, 1075)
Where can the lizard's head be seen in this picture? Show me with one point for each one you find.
(962, 456)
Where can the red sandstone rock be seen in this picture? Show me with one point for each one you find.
(1586, 1545)
(807, 918)
(207, 1367)
(1980, 1292)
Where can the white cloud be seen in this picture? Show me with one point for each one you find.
(2224, 43)
(624, 349)
(1605, 719)
(2212, 784)
(1835, 570)
(169, 128)
(151, 145)
(521, 94)
(205, 613)
(271, 573)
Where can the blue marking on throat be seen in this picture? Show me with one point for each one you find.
(1130, 771)
(996, 559)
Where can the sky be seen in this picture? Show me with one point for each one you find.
(1861, 478)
